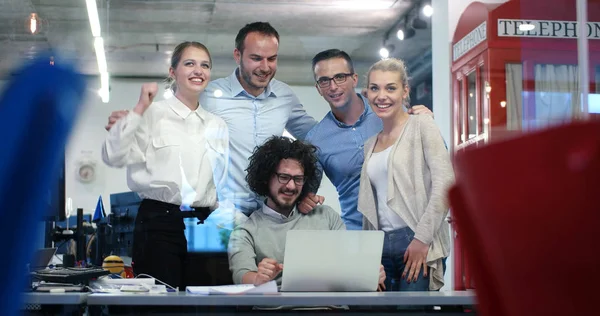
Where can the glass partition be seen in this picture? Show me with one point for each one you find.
(472, 118)
(557, 97)
(514, 96)
(459, 119)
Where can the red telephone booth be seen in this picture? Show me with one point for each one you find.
(515, 68)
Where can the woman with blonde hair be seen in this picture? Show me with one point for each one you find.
(177, 155)
(403, 185)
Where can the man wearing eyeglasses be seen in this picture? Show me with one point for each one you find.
(284, 171)
(342, 132)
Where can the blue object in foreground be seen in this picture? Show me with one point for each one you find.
(99, 213)
(38, 108)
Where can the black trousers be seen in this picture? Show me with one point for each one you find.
(159, 245)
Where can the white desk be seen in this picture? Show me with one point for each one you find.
(296, 299)
(72, 303)
(74, 298)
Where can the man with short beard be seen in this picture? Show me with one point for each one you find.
(254, 105)
(285, 171)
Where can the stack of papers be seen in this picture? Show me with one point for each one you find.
(267, 288)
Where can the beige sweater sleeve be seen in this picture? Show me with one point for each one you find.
(438, 161)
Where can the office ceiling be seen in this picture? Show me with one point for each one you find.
(139, 34)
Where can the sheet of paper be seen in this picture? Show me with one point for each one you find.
(269, 287)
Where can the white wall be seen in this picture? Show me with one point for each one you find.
(86, 141)
(442, 102)
(88, 135)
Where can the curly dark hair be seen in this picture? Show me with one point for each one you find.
(265, 159)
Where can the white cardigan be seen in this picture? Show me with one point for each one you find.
(420, 174)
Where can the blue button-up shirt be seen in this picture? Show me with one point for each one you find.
(341, 156)
(251, 120)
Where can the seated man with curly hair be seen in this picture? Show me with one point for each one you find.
(284, 171)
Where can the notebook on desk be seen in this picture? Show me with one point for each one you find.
(332, 261)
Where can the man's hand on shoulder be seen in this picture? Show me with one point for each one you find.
(364, 92)
(420, 109)
(310, 202)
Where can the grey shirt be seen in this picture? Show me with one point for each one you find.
(263, 236)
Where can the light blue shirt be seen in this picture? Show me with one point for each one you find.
(341, 156)
(251, 120)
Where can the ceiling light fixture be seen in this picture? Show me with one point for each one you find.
(384, 53)
(386, 50)
(100, 54)
(400, 34)
(418, 23)
(92, 10)
(427, 10)
(409, 32)
(33, 23)
(104, 91)
(404, 28)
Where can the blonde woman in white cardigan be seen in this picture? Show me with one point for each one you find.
(403, 185)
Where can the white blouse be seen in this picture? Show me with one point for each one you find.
(172, 154)
(377, 170)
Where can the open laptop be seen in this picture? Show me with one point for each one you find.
(41, 258)
(332, 261)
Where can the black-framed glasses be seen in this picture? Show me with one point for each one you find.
(285, 178)
(325, 82)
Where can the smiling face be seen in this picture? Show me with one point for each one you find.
(338, 95)
(192, 71)
(386, 93)
(257, 62)
(283, 196)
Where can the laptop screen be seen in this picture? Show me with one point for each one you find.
(41, 258)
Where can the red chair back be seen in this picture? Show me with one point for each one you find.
(527, 211)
